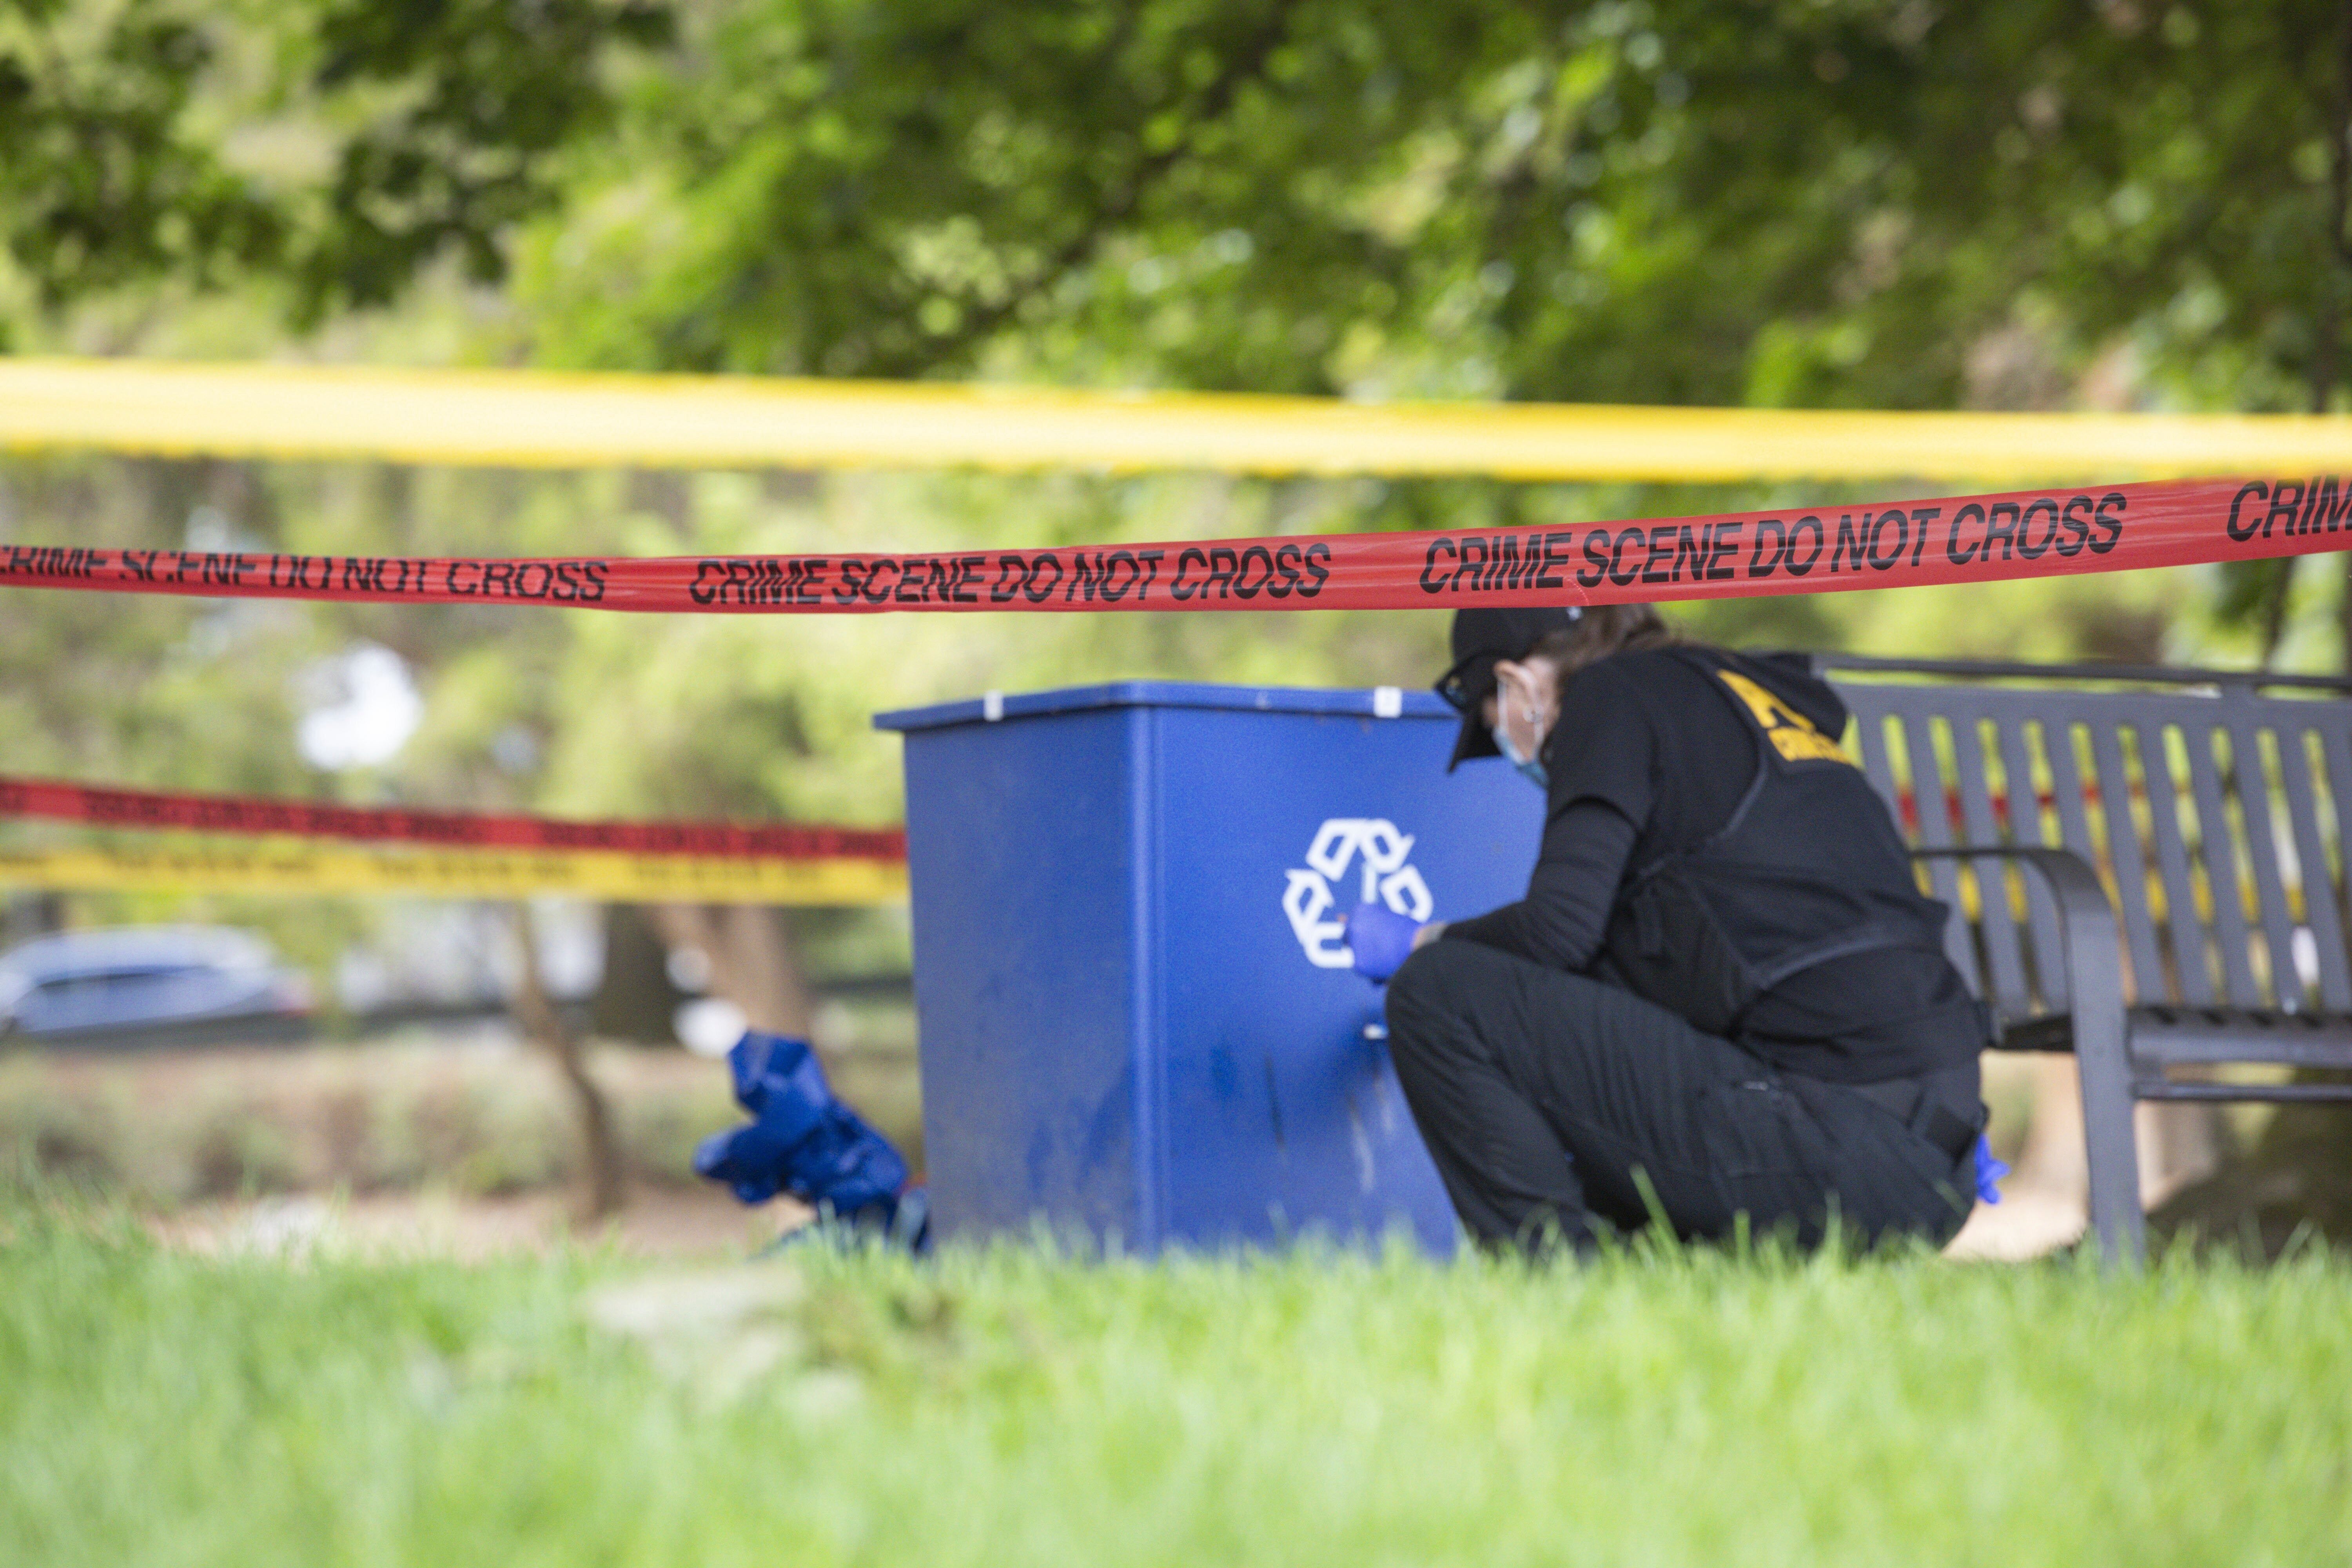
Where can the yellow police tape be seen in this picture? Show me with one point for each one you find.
(545, 419)
(471, 874)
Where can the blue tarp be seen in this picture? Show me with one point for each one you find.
(802, 1140)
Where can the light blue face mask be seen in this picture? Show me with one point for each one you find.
(1530, 768)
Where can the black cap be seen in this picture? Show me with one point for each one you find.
(1481, 637)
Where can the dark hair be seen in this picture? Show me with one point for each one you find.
(1603, 630)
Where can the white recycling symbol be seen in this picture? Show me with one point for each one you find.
(1374, 844)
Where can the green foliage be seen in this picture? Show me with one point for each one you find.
(473, 99)
(106, 181)
(771, 716)
(146, 690)
(1868, 203)
(1016, 1407)
(338, 147)
(1832, 202)
(1857, 202)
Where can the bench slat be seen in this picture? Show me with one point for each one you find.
(1935, 832)
(2075, 833)
(2191, 962)
(2025, 827)
(2131, 857)
(1877, 765)
(2277, 1093)
(2224, 876)
(2250, 770)
(2162, 1049)
(2319, 907)
(1978, 825)
(2336, 756)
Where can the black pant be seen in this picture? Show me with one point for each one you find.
(1541, 1095)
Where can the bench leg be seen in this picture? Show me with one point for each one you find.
(2094, 988)
(2101, 1054)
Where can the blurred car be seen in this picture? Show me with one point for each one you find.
(154, 983)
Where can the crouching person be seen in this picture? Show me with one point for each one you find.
(1723, 994)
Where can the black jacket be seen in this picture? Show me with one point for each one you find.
(1709, 845)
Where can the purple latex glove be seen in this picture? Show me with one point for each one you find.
(1380, 939)
(1989, 1171)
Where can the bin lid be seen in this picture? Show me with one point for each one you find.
(1371, 702)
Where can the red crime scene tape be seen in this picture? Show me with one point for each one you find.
(1960, 539)
(56, 801)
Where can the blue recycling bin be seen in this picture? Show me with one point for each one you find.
(1138, 1019)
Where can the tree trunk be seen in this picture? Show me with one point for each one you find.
(29, 915)
(602, 1187)
(751, 960)
(2274, 607)
(637, 1000)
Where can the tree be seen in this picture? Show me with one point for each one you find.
(1791, 201)
(1878, 203)
(107, 181)
(1675, 201)
(335, 148)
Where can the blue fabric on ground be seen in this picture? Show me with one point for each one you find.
(802, 1140)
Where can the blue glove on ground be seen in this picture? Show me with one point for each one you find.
(801, 1140)
(1380, 939)
(1989, 1171)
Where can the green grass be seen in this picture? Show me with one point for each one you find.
(1013, 1408)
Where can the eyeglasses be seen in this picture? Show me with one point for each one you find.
(1472, 679)
(1468, 683)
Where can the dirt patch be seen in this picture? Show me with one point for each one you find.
(475, 1113)
(658, 1222)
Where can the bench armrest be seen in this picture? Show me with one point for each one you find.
(2086, 921)
(2094, 992)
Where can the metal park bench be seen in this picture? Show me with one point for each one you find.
(2147, 868)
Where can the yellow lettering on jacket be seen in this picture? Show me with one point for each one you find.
(1791, 733)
